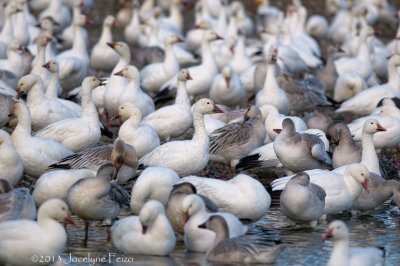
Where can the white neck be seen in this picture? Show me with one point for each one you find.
(270, 84)
(340, 253)
(122, 62)
(369, 157)
(208, 60)
(52, 87)
(36, 94)
(23, 128)
(200, 133)
(394, 79)
(106, 35)
(182, 97)
(171, 63)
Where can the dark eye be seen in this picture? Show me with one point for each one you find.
(208, 102)
(94, 79)
(122, 107)
(63, 208)
(22, 84)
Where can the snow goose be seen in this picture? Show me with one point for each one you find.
(153, 76)
(74, 63)
(154, 183)
(173, 120)
(242, 19)
(7, 32)
(103, 57)
(328, 75)
(77, 133)
(44, 111)
(242, 249)
(343, 255)
(318, 119)
(15, 203)
(133, 93)
(132, 29)
(36, 152)
(204, 73)
(40, 60)
(141, 136)
(67, 35)
(46, 237)
(55, 184)
(174, 208)
(227, 88)
(240, 62)
(197, 239)
(271, 93)
(125, 13)
(59, 13)
(150, 233)
(348, 85)
(233, 141)
(14, 62)
(341, 190)
(273, 120)
(188, 156)
(235, 195)
(46, 27)
(10, 162)
(104, 201)
(300, 152)
(346, 150)
(302, 201)
(175, 19)
(121, 155)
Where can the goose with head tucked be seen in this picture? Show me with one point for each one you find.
(300, 152)
(197, 239)
(46, 237)
(16, 203)
(343, 255)
(96, 198)
(173, 120)
(103, 57)
(141, 136)
(11, 166)
(81, 132)
(44, 111)
(36, 152)
(187, 156)
(242, 249)
(150, 233)
(133, 93)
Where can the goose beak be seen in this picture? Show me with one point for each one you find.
(380, 128)
(277, 130)
(19, 94)
(217, 109)
(189, 77)
(119, 73)
(47, 65)
(366, 185)
(38, 25)
(327, 234)
(111, 44)
(185, 218)
(219, 37)
(203, 225)
(88, 21)
(102, 81)
(69, 220)
(116, 116)
(115, 24)
(180, 40)
(144, 229)
(227, 80)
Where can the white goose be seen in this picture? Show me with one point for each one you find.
(133, 93)
(7, 32)
(348, 85)
(150, 233)
(235, 195)
(343, 255)
(14, 62)
(141, 136)
(188, 156)
(46, 237)
(271, 93)
(36, 152)
(103, 57)
(154, 183)
(156, 74)
(132, 30)
(59, 13)
(44, 111)
(67, 34)
(10, 161)
(240, 61)
(82, 132)
(198, 239)
(42, 41)
(173, 120)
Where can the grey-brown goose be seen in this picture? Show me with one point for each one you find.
(318, 119)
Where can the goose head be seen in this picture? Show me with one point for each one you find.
(272, 54)
(252, 112)
(26, 82)
(203, 25)
(15, 47)
(184, 75)
(149, 212)
(301, 178)
(172, 38)
(5, 186)
(206, 106)
(371, 126)
(120, 47)
(43, 40)
(267, 110)
(11, 9)
(123, 154)
(394, 59)
(216, 224)
(337, 230)
(184, 188)
(288, 127)
(55, 209)
(91, 82)
(360, 173)
(191, 204)
(109, 21)
(210, 36)
(52, 66)
(227, 73)
(130, 72)
(82, 20)
(46, 25)
(107, 171)
(127, 110)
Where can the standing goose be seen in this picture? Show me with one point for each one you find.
(77, 133)
(132, 30)
(42, 42)
(7, 31)
(36, 152)
(141, 136)
(11, 166)
(15, 203)
(96, 198)
(188, 156)
(173, 120)
(241, 249)
(14, 62)
(46, 237)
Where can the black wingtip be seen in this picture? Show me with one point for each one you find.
(162, 97)
(249, 162)
(106, 132)
(141, 167)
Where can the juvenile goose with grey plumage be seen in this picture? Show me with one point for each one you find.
(300, 152)
(243, 249)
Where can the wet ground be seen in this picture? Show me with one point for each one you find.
(380, 227)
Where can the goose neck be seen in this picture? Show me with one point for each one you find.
(79, 44)
(270, 84)
(340, 253)
(208, 60)
(106, 35)
(52, 87)
(41, 56)
(55, 233)
(89, 109)
(24, 125)
(16, 63)
(369, 157)
(393, 79)
(363, 53)
(353, 187)
(36, 94)
(170, 58)
(200, 133)
(134, 121)
(182, 97)
(123, 61)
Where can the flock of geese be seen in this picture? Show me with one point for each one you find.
(181, 101)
